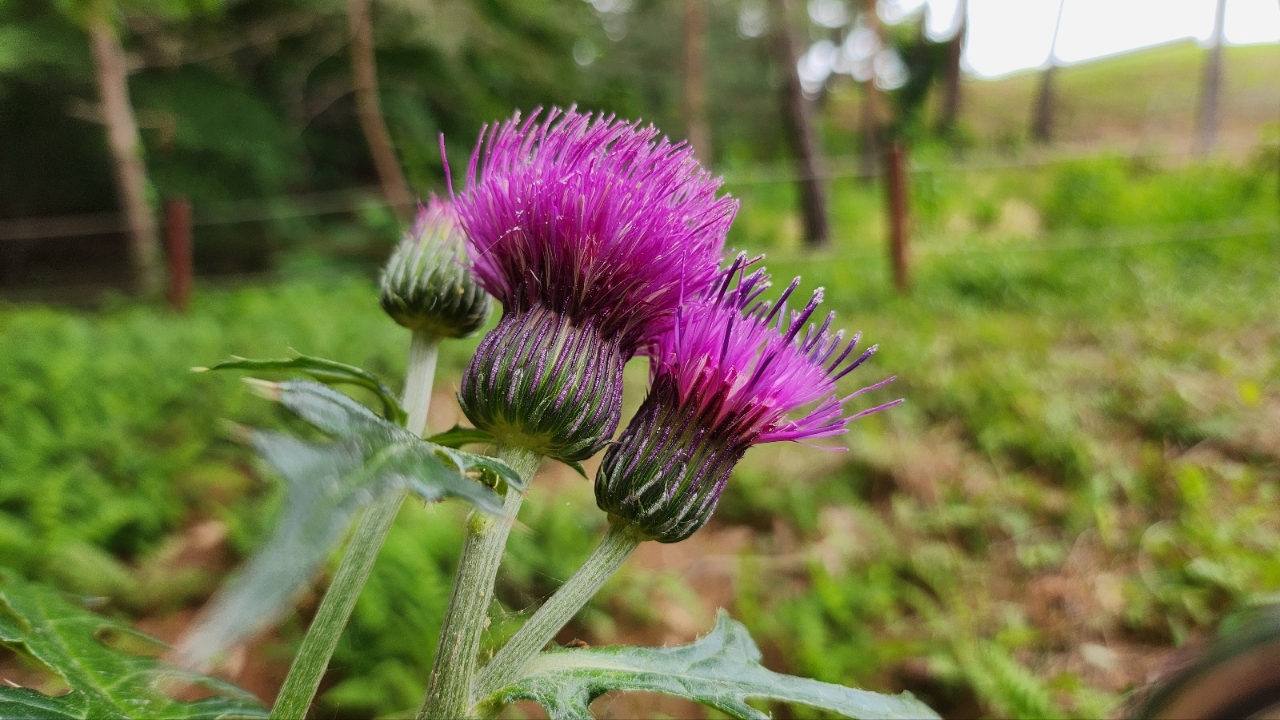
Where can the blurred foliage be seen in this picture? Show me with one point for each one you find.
(1110, 193)
(1083, 473)
(110, 441)
(239, 100)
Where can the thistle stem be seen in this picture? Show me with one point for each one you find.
(340, 599)
(424, 350)
(449, 685)
(619, 542)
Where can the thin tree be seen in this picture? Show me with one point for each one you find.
(797, 115)
(950, 110)
(1211, 86)
(869, 159)
(369, 111)
(111, 73)
(1042, 116)
(695, 79)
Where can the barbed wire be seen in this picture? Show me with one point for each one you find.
(1134, 236)
(226, 213)
(369, 197)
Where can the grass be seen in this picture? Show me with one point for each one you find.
(1034, 528)
(1149, 94)
(1082, 480)
(1146, 99)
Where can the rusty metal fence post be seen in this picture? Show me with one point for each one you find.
(895, 176)
(177, 245)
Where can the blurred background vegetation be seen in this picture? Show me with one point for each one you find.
(1081, 486)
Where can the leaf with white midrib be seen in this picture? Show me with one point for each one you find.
(721, 670)
(326, 485)
(329, 372)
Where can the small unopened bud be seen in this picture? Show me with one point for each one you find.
(426, 285)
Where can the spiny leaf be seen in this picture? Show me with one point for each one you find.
(105, 682)
(720, 670)
(329, 372)
(326, 484)
(457, 436)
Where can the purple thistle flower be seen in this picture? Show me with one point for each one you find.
(595, 218)
(591, 232)
(726, 375)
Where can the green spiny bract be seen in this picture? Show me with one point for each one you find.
(538, 381)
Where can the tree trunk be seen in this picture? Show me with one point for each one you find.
(951, 88)
(695, 79)
(1042, 115)
(803, 138)
(798, 123)
(369, 111)
(125, 146)
(870, 122)
(1210, 87)
(898, 212)
(868, 161)
(1042, 120)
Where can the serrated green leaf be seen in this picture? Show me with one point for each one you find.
(105, 682)
(721, 670)
(329, 372)
(457, 436)
(326, 484)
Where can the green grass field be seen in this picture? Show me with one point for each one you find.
(1147, 97)
(1144, 100)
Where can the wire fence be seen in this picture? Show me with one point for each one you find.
(852, 166)
(362, 198)
(228, 213)
(1073, 240)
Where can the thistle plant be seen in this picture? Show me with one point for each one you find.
(589, 231)
(603, 241)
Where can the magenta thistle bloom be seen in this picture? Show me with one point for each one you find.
(594, 218)
(726, 376)
(598, 228)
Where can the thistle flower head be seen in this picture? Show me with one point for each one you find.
(591, 232)
(595, 218)
(741, 365)
(726, 375)
(426, 284)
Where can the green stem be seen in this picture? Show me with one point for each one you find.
(609, 555)
(424, 349)
(449, 685)
(340, 599)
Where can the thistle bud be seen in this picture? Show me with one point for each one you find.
(542, 383)
(724, 378)
(426, 285)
